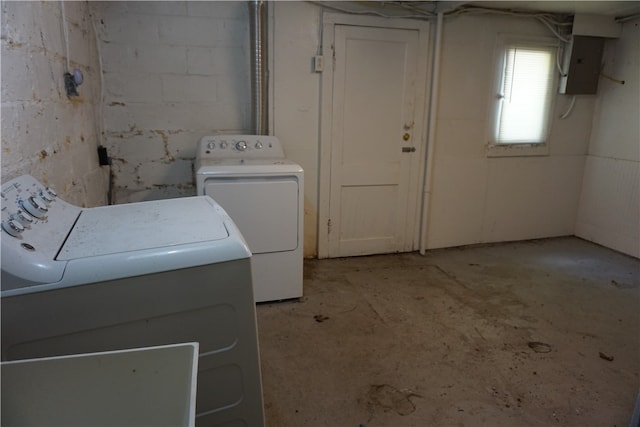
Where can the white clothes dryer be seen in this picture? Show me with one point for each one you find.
(135, 275)
(263, 192)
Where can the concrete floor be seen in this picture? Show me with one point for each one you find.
(535, 333)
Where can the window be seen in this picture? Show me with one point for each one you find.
(525, 90)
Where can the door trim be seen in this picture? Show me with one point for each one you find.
(329, 21)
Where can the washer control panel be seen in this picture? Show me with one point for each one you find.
(35, 224)
(240, 147)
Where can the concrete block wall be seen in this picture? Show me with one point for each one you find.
(173, 72)
(44, 133)
(609, 212)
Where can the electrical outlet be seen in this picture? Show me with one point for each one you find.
(318, 63)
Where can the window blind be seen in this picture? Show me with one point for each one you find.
(527, 94)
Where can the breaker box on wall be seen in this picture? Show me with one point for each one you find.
(583, 56)
(583, 60)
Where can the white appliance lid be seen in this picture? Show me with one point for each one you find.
(248, 162)
(145, 225)
(236, 167)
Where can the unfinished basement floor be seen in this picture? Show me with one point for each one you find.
(535, 333)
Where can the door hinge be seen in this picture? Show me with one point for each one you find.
(329, 226)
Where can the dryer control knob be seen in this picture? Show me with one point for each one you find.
(241, 145)
(259, 145)
(211, 145)
(223, 144)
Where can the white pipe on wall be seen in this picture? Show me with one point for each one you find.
(429, 161)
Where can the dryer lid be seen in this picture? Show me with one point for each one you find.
(238, 167)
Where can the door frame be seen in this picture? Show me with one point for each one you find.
(329, 21)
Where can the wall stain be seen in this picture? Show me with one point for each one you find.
(11, 42)
(165, 141)
(76, 100)
(133, 130)
(117, 104)
(119, 160)
(131, 133)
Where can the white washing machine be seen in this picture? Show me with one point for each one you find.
(263, 193)
(136, 275)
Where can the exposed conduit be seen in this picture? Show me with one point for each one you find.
(429, 161)
(259, 72)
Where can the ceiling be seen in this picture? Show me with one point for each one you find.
(402, 8)
(610, 8)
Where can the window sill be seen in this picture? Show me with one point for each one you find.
(517, 150)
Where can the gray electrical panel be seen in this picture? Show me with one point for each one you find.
(582, 64)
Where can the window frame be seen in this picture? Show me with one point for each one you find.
(512, 149)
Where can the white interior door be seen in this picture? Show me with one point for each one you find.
(377, 127)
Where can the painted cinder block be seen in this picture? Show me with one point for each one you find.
(220, 10)
(49, 28)
(82, 45)
(131, 59)
(139, 147)
(44, 133)
(122, 89)
(180, 143)
(189, 89)
(146, 175)
(229, 64)
(158, 59)
(192, 80)
(18, 22)
(169, 173)
(125, 28)
(47, 79)
(188, 31)
(17, 76)
(171, 8)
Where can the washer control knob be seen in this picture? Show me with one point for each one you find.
(35, 207)
(211, 145)
(12, 227)
(241, 145)
(259, 145)
(23, 218)
(223, 144)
